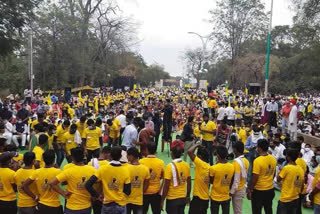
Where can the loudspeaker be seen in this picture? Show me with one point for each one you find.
(67, 94)
(254, 90)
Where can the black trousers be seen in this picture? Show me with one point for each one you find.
(133, 208)
(43, 209)
(96, 206)
(8, 207)
(93, 153)
(288, 207)
(154, 201)
(198, 206)
(215, 205)
(167, 129)
(176, 206)
(262, 199)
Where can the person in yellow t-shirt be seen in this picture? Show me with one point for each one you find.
(58, 144)
(115, 179)
(48, 200)
(241, 166)
(81, 124)
(140, 177)
(112, 128)
(315, 194)
(26, 204)
(200, 200)
(103, 159)
(7, 194)
(208, 130)
(39, 150)
(51, 133)
(118, 123)
(176, 177)
(78, 198)
(220, 177)
(156, 168)
(92, 140)
(291, 177)
(260, 190)
(69, 141)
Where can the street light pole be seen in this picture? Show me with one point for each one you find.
(31, 61)
(204, 40)
(268, 53)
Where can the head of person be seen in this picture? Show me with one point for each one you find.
(40, 116)
(152, 148)
(52, 129)
(109, 122)
(190, 119)
(98, 122)
(132, 154)
(66, 124)
(307, 147)
(222, 153)
(106, 153)
(277, 139)
(11, 148)
(203, 154)
(3, 144)
(91, 124)
(300, 139)
(176, 152)
(238, 148)
(249, 104)
(263, 146)
(264, 100)
(121, 111)
(292, 155)
(2, 128)
(73, 129)
(111, 115)
(83, 119)
(256, 130)
(43, 140)
(77, 154)
(29, 158)
(49, 157)
(206, 118)
(5, 159)
(178, 138)
(116, 153)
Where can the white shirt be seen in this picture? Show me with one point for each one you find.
(221, 113)
(279, 152)
(130, 133)
(307, 155)
(230, 113)
(204, 104)
(123, 120)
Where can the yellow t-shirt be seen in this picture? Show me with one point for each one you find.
(265, 167)
(67, 166)
(210, 126)
(92, 137)
(118, 123)
(101, 163)
(18, 159)
(201, 179)
(292, 181)
(47, 195)
(38, 151)
(50, 139)
(60, 132)
(68, 140)
(184, 172)
(81, 127)
(138, 174)
(237, 169)
(243, 137)
(19, 178)
(113, 130)
(156, 169)
(300, 162)
(6, 180)
(76, 177)
(113, 179)
(222, 174)
(316, 198)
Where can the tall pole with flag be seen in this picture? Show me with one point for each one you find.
(268, 53)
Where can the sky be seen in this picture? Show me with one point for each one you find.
(163, 27)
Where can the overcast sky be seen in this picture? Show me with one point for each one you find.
(164, 25)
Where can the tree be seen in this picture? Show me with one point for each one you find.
(235, 22)
(15, 14)
(194, 62)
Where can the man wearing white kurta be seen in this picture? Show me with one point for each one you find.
(293, 120)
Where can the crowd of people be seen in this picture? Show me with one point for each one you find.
(238, 144)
